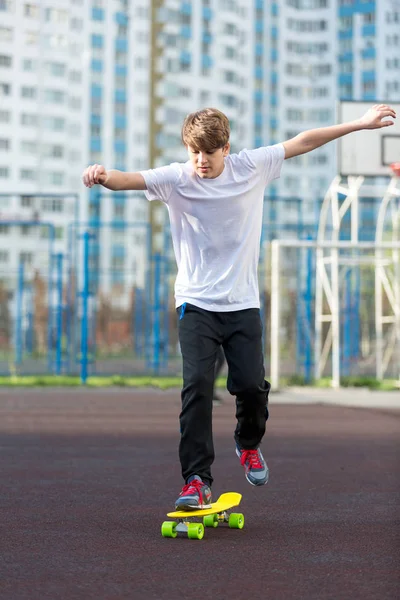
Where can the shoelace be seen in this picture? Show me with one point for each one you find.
(251, 459)
(194, 486)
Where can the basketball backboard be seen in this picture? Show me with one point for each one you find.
(368, 153)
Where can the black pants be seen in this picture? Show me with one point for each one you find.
(201, 332)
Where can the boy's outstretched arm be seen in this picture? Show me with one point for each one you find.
(112, 179)
(314, 138)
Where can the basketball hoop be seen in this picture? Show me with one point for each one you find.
(396, 168)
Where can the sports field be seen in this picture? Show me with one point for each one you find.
(87, 477)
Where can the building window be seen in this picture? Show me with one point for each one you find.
(55, 40)
(75, 129)
(53, 151)
(54, 15)
(76, 24)
(5, 116)
(54, 123)
(118, 262)
(6, 5)
(75, 102)
(6, 34)
(28, 92)
(5, 89)
(56, 68)
(5, 60)
(27, 201)
(26, 258)
(74, 156)
(54, 96)
(5, 144)
(31, 38)
(96, 105)
(120, 108)
(121, 58)
(26, 230)
(4, 256)
(29, 119)
(31, 11)
(230, 76)
(55, 178)
(369, 17)
(4, 172)
(95, 130)
(53, 204)
(119, 211)
(75, 76)
(28, 64)
(28, 174)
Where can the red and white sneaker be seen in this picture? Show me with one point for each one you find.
(194, 495)
(255, 467)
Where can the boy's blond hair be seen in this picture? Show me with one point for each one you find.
(206, 130)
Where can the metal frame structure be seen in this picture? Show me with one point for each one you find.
(328, 271)
(387, 280)
(331, 290)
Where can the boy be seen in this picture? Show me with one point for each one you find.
(215, 203)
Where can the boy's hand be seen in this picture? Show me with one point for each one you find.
(373, 117)
(94, 174)
(396, 168)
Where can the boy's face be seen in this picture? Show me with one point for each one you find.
(208, 165)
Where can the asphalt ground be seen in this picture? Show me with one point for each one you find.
(87, 478)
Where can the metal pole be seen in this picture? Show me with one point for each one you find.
(138, 321)
(165, 333)
(18, 315)
(156, 354)
(275, 314)
(318, 312)
(355, 352)
(300, 309)
(308, 300)
(378, 318)
(148, 304)
(347, 324)
(85, 309)
(156, 27)
(59, 327)
(335, 320)
(50, 301)
(30, 324)
(70, 281)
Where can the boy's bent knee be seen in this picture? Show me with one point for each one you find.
(249, 389)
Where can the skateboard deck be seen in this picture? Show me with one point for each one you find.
(212, 515)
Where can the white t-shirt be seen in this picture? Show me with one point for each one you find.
(216, 226)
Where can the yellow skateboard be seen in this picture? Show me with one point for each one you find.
(213, 515)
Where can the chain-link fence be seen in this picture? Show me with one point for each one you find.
(102, 304)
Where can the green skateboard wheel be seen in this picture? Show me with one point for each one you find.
(195, 531)
(210, 521)
(236, 521)
(168, 529)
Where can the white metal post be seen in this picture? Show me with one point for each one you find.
(335, 320)
(378, 316)
(318, 313)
